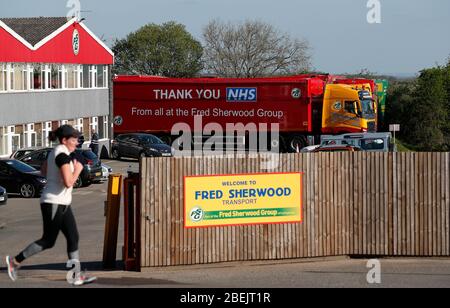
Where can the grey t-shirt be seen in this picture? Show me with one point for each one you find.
(55, 192)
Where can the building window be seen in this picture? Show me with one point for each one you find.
(3, 77)
(2, 141)
(79, 76)
(86, 77)
(93, 73)
(30, 136)
(30, 77)
(86, 126)
(10, 81)
(94, 124)
(103, 132)
(61, 77)
(46, 129)
(38, 130)
(102, 76)
(16, 77)
(79, 125)
(24, 77)
(12, 140)
(38, 78)
(47, 77)
(56, 77)
(20, 77)
(106, 76)
(71, 78)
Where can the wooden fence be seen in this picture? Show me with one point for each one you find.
(386, 204)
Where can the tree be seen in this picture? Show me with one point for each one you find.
(398, 102)
(167, 50)
(447, 83)
(252, 49)
(427, 117)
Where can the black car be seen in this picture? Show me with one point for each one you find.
(20, 178)
(3, 196)
(139, 145)
(92, 171)
(36, 158)
(23, 152)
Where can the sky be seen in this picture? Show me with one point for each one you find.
(412, 35)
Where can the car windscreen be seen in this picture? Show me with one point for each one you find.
(151, 139)
(20, 154)
(20, 166)
(122, 137)
(372, 144)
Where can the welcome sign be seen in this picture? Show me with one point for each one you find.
(226, 200)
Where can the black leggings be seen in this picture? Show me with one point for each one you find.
(56, 218)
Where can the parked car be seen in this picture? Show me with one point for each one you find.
(20, 178)
(36, 158)
(23, 152)
(92, 171)
(370, 142)
(3, 196)
(337, 148)
(139, 145)
(309, 149)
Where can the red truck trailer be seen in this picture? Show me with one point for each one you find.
(301, 106)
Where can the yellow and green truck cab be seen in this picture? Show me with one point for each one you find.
(382, 86)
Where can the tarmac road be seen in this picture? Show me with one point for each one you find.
(21, 221)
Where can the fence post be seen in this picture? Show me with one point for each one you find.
(112, 221)
(132, 223)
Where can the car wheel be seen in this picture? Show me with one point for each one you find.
(115, 154)
(297, 143)
(78, 183)
(27, 191)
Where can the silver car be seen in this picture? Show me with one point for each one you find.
(3, 196)
(106, 171)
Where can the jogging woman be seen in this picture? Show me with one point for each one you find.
(62, 173)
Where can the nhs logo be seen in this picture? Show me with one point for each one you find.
(242, 95)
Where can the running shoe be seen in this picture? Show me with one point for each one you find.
(83, 278)
(12, 268)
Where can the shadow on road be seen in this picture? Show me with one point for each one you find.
(88, 266)
(97, 267)
(135, 281)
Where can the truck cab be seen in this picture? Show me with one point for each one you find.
(347, 109)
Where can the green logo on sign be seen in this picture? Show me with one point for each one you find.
(197, 214)
(76, 42)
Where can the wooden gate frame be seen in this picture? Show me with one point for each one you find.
(132, 222)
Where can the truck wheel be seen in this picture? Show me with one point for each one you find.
(297, 143)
